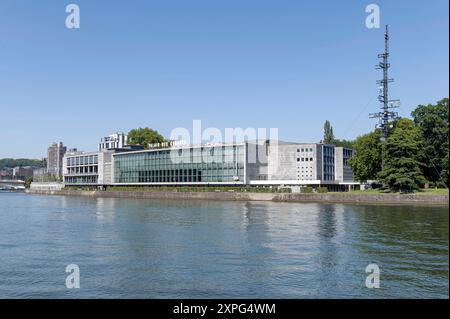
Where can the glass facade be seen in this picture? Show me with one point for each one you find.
(328, 163)
(347, 154)
(207, 164)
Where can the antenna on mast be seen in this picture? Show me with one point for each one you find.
(385, 115)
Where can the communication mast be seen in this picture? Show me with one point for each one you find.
(385, 116)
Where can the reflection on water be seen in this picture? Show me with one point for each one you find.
(105, 209)
(201, 249)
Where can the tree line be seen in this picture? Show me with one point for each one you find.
(20, 162)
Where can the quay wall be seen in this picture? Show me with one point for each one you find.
(276, 197)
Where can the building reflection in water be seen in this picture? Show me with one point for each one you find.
(105, 209)
(327, 257)
(297, 244)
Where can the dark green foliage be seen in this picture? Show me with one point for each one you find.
(433, 122)
(328, 135)
(144, 136)
(403, 153)
(322, 190)
(344, 143)
(366, 164)
(306, 190)
(28, 181)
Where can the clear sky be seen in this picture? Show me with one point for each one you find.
(285, 64)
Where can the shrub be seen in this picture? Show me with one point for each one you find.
(306, 190)
(322, 190)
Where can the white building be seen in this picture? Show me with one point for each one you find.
(254, 163)
(113, 141)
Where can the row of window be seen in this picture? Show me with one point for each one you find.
(93, 169)
(347, 153)
(82, 160)
(81, 180)
(304, 150)
(178, 175)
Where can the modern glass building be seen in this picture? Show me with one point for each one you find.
(223, 164)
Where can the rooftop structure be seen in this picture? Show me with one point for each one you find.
(113, 141)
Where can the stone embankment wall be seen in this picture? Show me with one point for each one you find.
(307, 198)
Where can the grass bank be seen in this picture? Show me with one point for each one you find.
(422, 192)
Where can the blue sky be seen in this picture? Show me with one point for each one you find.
(285, 64)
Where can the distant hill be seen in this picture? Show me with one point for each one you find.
(21, 162)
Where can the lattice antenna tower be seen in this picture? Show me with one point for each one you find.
(386, 115)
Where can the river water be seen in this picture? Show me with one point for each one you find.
(129, 248)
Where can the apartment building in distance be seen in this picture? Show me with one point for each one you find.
(55, 154)
(21, 173)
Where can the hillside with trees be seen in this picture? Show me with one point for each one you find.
(21, 162)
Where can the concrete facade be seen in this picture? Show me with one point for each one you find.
(296, 162)
(88, 168)
(256, 160)
(82, 168)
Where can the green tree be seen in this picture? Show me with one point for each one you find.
(403, 153)
(28, 181)
(344, 143)
(328, 135)
(366, 163)
(144, 136)
(433, 123)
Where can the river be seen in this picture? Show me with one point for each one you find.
(131, 248)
